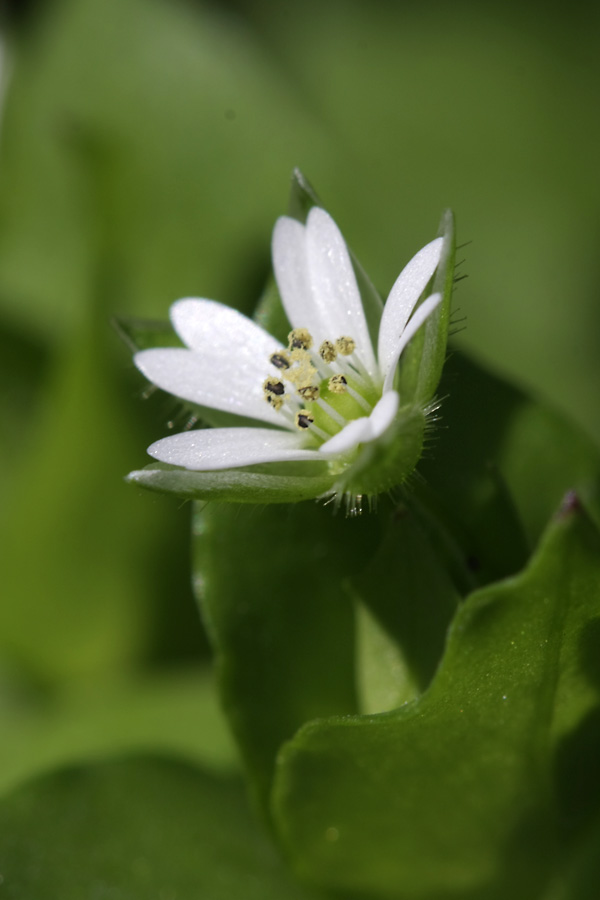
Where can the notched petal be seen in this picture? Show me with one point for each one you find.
(212, 449)
(402, 299)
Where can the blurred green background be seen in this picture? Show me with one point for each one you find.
(145, 152)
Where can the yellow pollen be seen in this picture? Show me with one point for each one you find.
(275, 401)
(327, 352)
(300, 339)
(304, 419)
(302, 374)
(338, 384)
(310, 392)
(345, 345)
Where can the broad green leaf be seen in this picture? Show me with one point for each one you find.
(499, 464)
(74, 600)
(137, 828)
(467, 791)
(270, 583)
(405, 601)
(174, 712)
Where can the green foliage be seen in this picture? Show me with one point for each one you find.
(467, 791)
(137, 828)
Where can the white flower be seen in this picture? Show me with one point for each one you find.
(322, 398)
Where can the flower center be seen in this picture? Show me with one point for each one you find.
(320, 389)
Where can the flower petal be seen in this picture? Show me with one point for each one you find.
(366, 429)
(357, 432)
(206, 325)
(317, 283)
(227, 365)
(384, 413)
(334, 289)
(290, 265)
(405, 293)
(416, 320)
(227, 448)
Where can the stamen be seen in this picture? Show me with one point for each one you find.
(280, 360)
(304, 419)
(273, 386)
(275, 401)
(310, 392)
(300, 339)
(355, 370)
(338, 384)
(331, 412)
(274, 392)
(360, 399)
(327, 352)
(345, 345)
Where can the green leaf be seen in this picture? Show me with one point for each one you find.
(499, 464)
(137, 828)
(460, 792)
(271, 590)
(174, 712)
(405, 602)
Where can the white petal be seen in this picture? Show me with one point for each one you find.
(291, 272)
(208, 326)
(227, 365)
(227, 448)
(317, 283)
(384, 413)
(419, 317)
(406, 291)
(357, 432)
(366, 429)
(335, 292)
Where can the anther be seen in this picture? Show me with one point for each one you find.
(273, 386)
(275, 401)
(280, 360)
(345, 345)
(337, 384)
(300, 339)
(309, 392)
(327, 352)
(274, 391)
(304, 419)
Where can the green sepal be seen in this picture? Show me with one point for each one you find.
(387, 462)
(145, 334)
(243, 485)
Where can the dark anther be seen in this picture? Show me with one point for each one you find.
(304, 419)
(279, 360)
